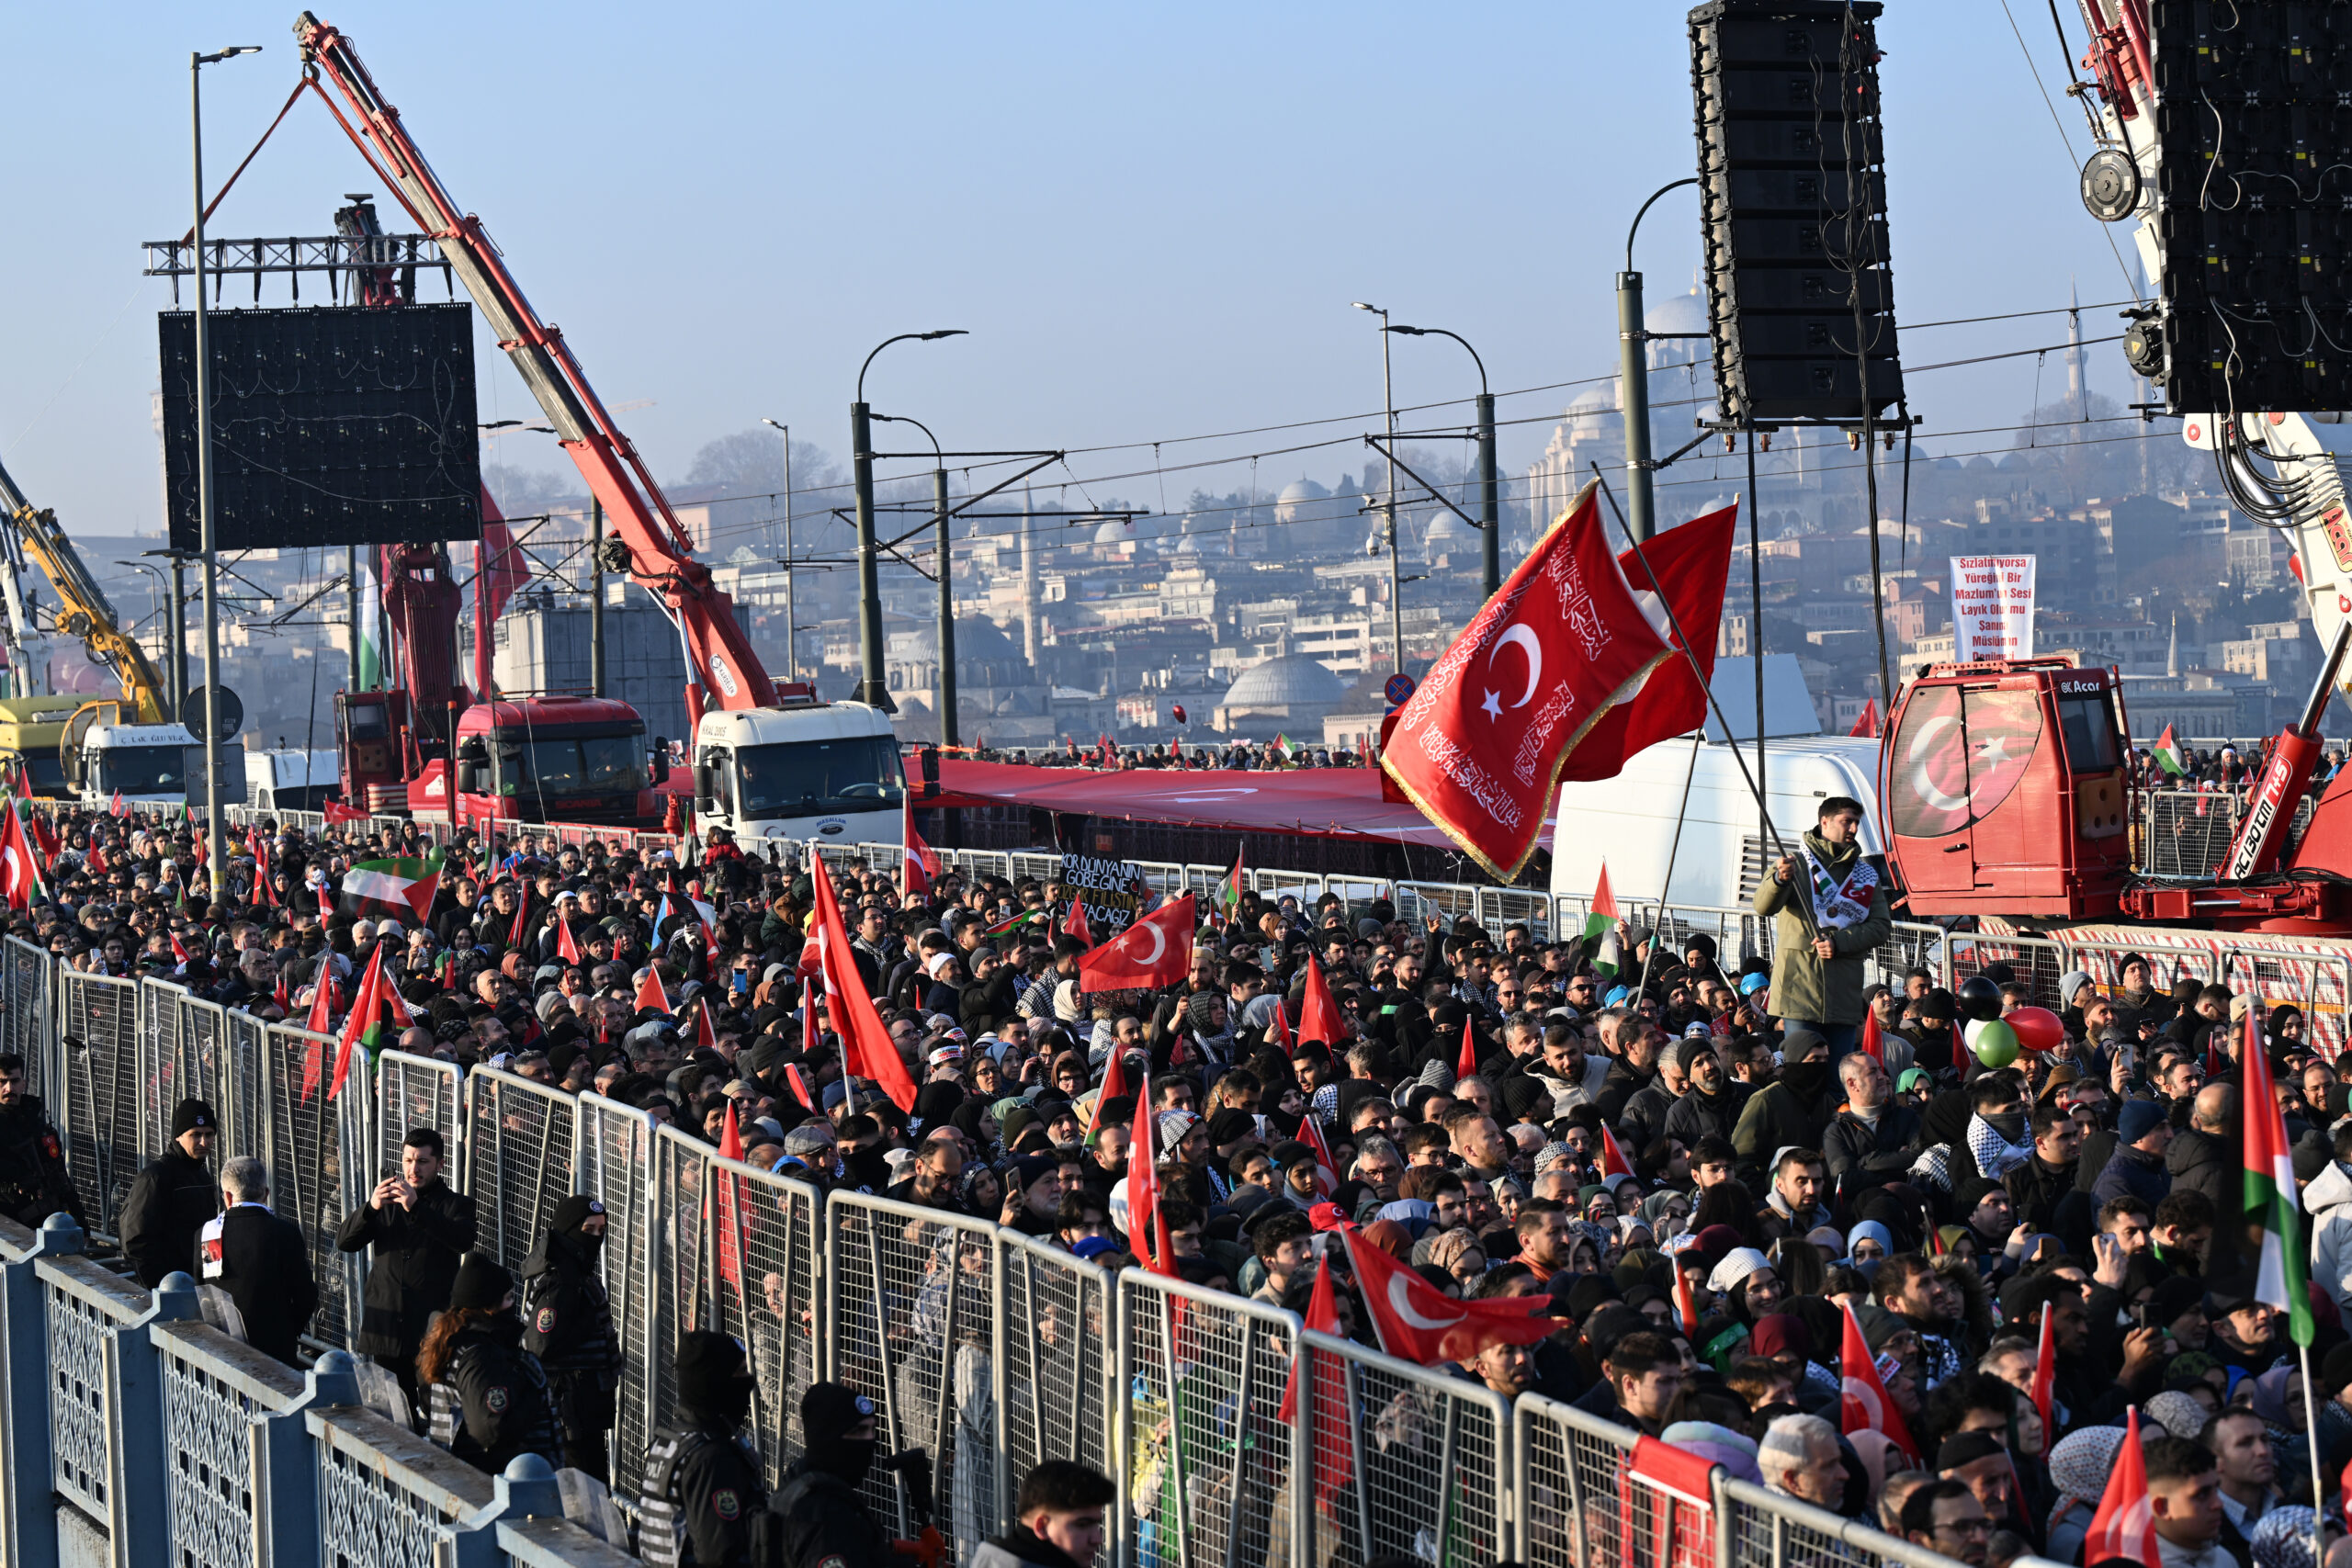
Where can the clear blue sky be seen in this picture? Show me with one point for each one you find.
(1151, 221)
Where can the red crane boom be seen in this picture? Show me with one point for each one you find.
(720, 663)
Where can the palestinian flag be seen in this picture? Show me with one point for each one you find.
(1026, 917)
(401, 887)
(377, 1016)
(1601, 926)
(2167, 752)
(2271, 1203)
(1229, 892)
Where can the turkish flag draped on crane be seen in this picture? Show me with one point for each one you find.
(1479, 745)
(1155, 950)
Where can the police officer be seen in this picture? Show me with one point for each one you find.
(823, 1522)
(703, 1477)
(567, 1324)
(34, 1183)
(260, 1260)
(490, 1396)
(420, 1227)
(173, 1197)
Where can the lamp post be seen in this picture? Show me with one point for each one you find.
(1633, 369)
(791, 623)
(1388, 399)
(1490, 482)
(872, 689)
(214, 857)
(946, 687)
(178, 684)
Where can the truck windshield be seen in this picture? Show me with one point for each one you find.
(48, 773)
(2089, 725)
(142, 770)
(591, 764)
(802, 778)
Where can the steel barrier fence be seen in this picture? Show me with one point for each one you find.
(681, 1166)
(518, 1159)
(1772, 1529)
(765, 1279)
(317, 1146)
(615, 1149)
(911, 1312)
(98, 1024)
(1565, 1466)
(29, 1013)
(1061, 1381)
(414, 1092)
(1209, 1467)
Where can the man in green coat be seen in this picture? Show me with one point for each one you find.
(1831, 909)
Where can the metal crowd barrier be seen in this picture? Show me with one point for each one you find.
(613, 1148)
(518, 1159)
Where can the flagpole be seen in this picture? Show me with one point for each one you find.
(1666, 888)
(2311, 1427)
(1803, 905)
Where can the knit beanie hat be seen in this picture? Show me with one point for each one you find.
(482, 1284)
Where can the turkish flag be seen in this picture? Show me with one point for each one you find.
(322, 1017)
(1319, 1012)
(2125, 1525)
(565, 948)
(336, 813)
(1691, 564)
(1613, 1163)
(728, 1221)
(799, 1090)
(19, 864)
(1327, 1172)
(1074, 924)
(1147, 1227)
(1114, 1084)
(1467, 1066)
(1873, 1042)
(1323, 1316)
(1278, 1027)
(2045, 1373)
(1156, 951)
(867, 1050)
(921, 860)
(1865, 723)
(1479, 745)
(1415, 1323)
(1863, 1405)
(649, 993)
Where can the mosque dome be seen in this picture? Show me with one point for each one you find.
(1292, 680)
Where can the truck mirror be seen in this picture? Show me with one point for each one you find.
(660, 763)
(705, 789)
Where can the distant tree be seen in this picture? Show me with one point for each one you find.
(750, 462)
(526, 492)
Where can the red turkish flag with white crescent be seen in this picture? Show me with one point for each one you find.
(1415, 1323)
(1479, 745)
(867, 1050)
(1155, 950)
(1863, 1403)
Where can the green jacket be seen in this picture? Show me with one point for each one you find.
(1803, 985)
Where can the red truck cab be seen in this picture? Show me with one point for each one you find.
(543, 760)
(2005, 791)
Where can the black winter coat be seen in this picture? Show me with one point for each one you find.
(2198, 1163)
(34, 1183)
(417, 1251)
(164, 1212)
(502, 1398)
(266, 1268)
(1860, 1155)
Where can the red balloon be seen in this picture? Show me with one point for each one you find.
(2038, 1029)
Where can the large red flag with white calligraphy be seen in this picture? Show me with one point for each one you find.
(1691, 564)
(1480, 744)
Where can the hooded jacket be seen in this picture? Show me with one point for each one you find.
(1793, 1110)
(1805, 986)
(2329, 1201)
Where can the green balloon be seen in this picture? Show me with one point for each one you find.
(1995, 1043)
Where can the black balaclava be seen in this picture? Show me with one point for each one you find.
(714, 1377)
(569, 1215)
(829, 1411)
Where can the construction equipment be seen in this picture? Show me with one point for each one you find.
(2004, 784)
(731, 701)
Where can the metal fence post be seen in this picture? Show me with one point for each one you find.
(144, 1535)
(286, 1481)
(31, 1516)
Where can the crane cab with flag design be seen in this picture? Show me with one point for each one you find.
(2003, 791)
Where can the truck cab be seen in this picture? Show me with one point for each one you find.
(30, 729)
(2005, 790)
(800, 769)
(145, 764)
(286, 779)
(542, 760)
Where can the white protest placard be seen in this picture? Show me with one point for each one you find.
(1992, 607)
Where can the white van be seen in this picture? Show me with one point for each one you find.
(800, 770)
(1629, 820)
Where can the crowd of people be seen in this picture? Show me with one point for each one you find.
(1703, 1163)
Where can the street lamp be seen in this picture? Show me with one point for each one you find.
(1633, 369)
(873, 689)
(791, 623)
(1388, 397)
(178, 682)
(1490, 482)
(215, 856)
(945, 690)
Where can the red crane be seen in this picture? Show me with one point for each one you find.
(721, 667)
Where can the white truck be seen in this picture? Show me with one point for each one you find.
(1628, 822)
(804, 770)
(148, 764)
(290, 779)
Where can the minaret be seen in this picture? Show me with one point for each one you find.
(2172, 649)
(1028, 579)
(2075, 349)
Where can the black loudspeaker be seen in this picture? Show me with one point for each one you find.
(1792, 208)
(329, 426)
(2253, 206)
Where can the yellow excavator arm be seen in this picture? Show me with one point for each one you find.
(82, 610)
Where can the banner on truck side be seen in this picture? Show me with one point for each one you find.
(1992, 607)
